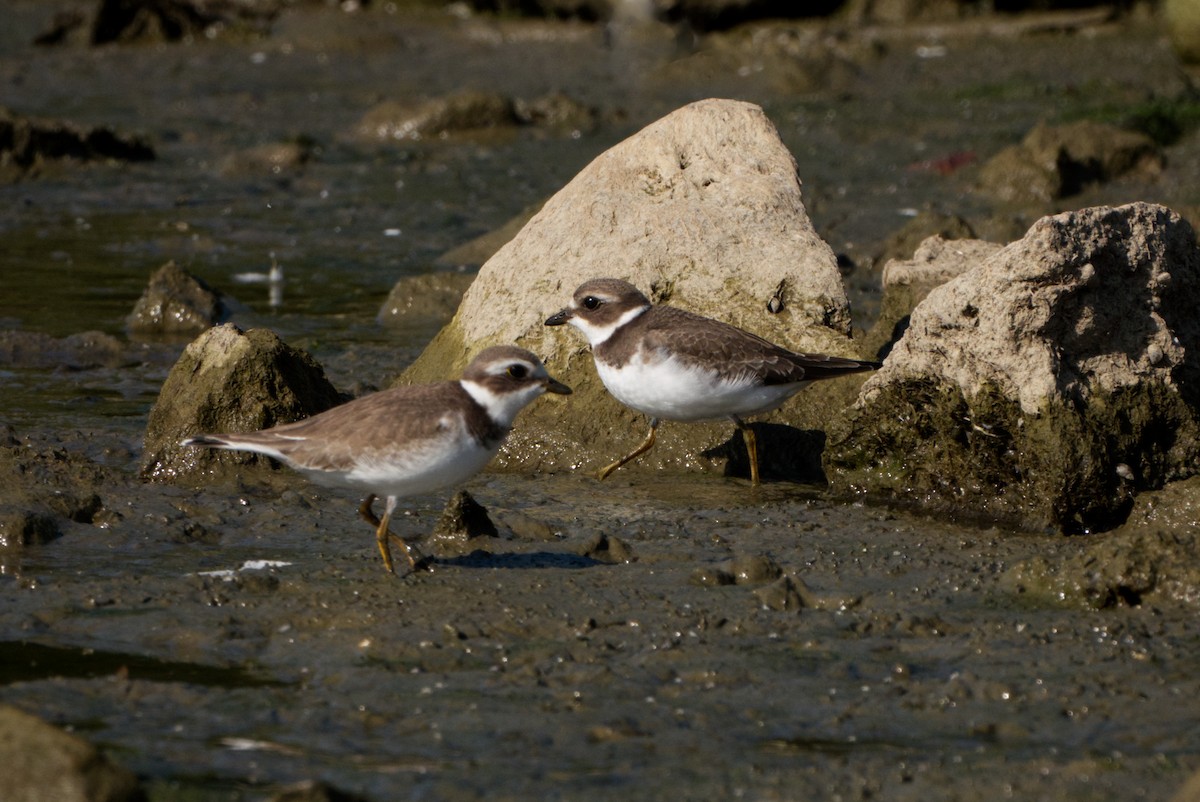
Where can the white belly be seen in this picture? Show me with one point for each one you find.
(435, 465)
(670, 390)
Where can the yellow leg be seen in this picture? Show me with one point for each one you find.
(751, 448)
(637, 452)
(383, 534)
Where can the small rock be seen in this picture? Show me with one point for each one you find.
(463, 519)
(1055, 162)
(43, 762)
(607, 549)
(273, 158)
(175, 303)
(754, 570)
(526, 527)
(229, 380)
(457, 113)
(21, 528)
(712, 576)
(424, 302)
(780, 595)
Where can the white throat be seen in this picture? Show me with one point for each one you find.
(599, 334)
(502, 408)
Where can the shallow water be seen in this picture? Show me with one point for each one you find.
(529, 666)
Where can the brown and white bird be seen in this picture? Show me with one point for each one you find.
(670, 364)
(406, 440)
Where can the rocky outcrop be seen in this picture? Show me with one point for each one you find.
(228, 380)
(1045, 386)
(703, 209)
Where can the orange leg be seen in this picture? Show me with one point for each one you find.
(383, 534)
(751, 447)
(637, 452)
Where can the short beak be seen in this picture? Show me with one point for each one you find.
(555, 386)
(559, 318)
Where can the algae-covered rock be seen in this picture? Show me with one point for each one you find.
(175, 302)
(228, 380)
(1154, 557)
(1045, 386)
(702, 208)
(42, 762)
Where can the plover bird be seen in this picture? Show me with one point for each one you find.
(670, 364)
(407, 440)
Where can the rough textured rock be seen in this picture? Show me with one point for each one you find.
(41, 762)
(702, 208)
(177, 303)
(228, 380)
(1055, 162)
(463, 525)
(27, 144)
(906, 282)
(1047, 385)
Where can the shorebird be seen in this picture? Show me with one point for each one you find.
(671, 364)
(407, 440)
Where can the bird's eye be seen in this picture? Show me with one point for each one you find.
(591, 302)
(518, 371)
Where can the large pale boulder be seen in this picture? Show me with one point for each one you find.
(702, 208)
(1045, 386)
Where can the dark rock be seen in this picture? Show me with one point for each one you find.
(228, 380)
(177, 303)
(315, 791)
(124, 21)
(41, 762)
(90, 349)
(1055, 162)
(1045, 386)
(20, 528)
(27, 144)
(425, 302)
(463, 519)
(607, 549)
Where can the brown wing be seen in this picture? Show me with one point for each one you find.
(694, 337)
(332, 439)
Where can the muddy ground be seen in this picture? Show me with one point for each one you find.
(683, 636)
